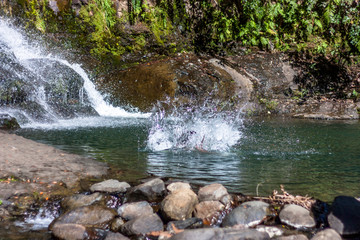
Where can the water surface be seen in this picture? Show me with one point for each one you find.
(317, 158)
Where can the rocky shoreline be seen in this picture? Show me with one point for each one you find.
(34, 174)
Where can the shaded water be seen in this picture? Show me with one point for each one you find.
(318, 158)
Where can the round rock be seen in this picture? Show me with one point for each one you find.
(149, 191)
(130, 211)
(296, 216)
(208, 209)
(293, 237)
(80, 200)
(179, 205)
(345, 215)
(110, 186)
(327, 234)
(178, 186)
(213, 192)
(116, 236)
(248, 214)
(142, 225)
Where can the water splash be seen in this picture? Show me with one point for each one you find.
(203, 129)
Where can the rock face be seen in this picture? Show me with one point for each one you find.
(248, 214)
(88, 216)
(296, 216)
(327, 234)
(179, 205)
(150, 191)
(110, 186)
(220, 234)
(208, 209)
(142, 225)
(214, 192)
(345, 215)
(130, 211)
(80, 200)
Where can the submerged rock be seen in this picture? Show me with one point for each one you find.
(151, 191)
(345, 215)
(130, 211)
(248, 214)
(179, 205)
(220, 234)
(296, 216)
(142, 225)
(110, 186)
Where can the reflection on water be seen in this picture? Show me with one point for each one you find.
(317, 158)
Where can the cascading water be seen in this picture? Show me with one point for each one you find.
(41, 88)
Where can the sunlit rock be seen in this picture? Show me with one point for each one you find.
(179, 205)
(296, 216)
(130, 211)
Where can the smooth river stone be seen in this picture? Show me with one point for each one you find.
(130, 211)
(214, 192)
(296, 216)
(345, 215)
(110, 186)
(152, 190)
(248, 214)
(143, 225)
(327, 234)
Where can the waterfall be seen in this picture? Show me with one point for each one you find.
(35, 86)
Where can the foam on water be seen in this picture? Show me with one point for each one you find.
(194, 129)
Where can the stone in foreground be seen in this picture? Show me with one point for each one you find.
(296, 216)
(80, 200)
(293, 237)
(345, 215)
(327, 234)
(207, 209)
(110, 186)
(116, 236)
(150, 191)
(184, 224)
(248, 214)
(220, 234)
(130, 211)
(142, 225)
(179, 205)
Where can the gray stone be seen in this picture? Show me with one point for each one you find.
(80, 200)
(327, 234)
(110, 186)
(345, 215)
(213, 192)
(293, 237)
(143, 225)
(130, 211)
(69, 231)
(116, 236)
(183, 224)
(296, 216)
(88, 216)
(177, 186)
(248, 214)
(220, 234)
(150, 191)
(116, 224)
(207, 209)
(179, 205)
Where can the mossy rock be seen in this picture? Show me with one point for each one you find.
(8, 123)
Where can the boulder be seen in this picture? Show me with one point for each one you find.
(327, 234)
(116, 236)
(143, 225)
(214, 192)
(7, 122)
(184, 224)
(220, 234)
(208, 209)
(110, 186)
(149, 191)
(177, 186)
(248, 214)
(296, 216)
(80, 200)
(179, 205)
(293, 237)
(88, 216)
(130, 211)
(345, 215)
